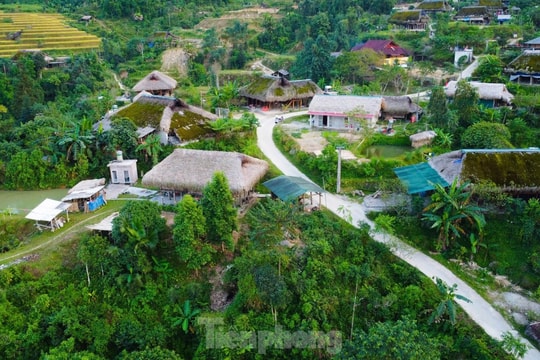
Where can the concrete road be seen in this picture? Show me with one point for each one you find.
(479, 309)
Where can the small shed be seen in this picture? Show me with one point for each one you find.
(105, 225)
(87, 195)
(123, 171)
(422, 138)
(292, 188)
(156, 83)
(48, 214)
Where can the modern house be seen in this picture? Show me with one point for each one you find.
(478, 15)
(123, 171)
(490, 95)
(525, 69)
(411, 20)
(156, 83)
(277, 91)
(392, 52)
(344, 112)
(187, 171)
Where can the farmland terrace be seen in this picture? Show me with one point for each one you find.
(41, 32)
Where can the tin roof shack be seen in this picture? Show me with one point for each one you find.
(86, 196)
(48, 214)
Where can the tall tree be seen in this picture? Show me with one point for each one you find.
(486, 135)
(465, 103)
(151, 148)
(438, 108)
(218, 209)
(189, 234)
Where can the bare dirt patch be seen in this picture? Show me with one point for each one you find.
(175, 60)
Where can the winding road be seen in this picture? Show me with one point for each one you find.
(478, 309)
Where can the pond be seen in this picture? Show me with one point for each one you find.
(386, 151)
(24, 201)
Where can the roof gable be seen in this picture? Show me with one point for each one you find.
(486, 91)
(343, 105)
(386, 47)
(528, 61)
(154, 81)
(289, 188)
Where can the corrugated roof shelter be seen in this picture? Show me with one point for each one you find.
(290, 188)
(86, 196)
(46, 214)
(419, 177)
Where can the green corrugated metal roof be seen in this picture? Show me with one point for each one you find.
(420, 177)
(289, 188)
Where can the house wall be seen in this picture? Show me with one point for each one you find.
(123, 173)
(396, 60)
(338, 122)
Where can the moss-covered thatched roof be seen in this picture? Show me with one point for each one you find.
(434, 5)
(512, 170)
(490, 3)
(276, 89)
(528, 61)
(472, 11)
(169, 114)
(191, 170)
(407, 16)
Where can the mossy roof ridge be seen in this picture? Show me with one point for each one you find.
(143, 113)
(528, 62)
(274, 89)
(432, 5)
(189, 125)
(504, 169)
(472, 11)
(405, 16)
(490, 3)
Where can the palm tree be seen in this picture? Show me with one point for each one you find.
(186, 317)
(449, 208)
(75, 141)
(151, 148)
(447, 305)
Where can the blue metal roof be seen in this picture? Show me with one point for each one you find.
(289, 188)
(419, 177)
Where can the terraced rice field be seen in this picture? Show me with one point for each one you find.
(43, 32)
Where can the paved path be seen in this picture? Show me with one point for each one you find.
(479, 309)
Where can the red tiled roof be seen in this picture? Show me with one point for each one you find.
(387, 47)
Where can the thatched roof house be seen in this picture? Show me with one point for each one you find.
(400, 107)
(169, 115)
(189, 171)
(434, 6)
(516, 171)
(413, 20)
(491, 95)
(473, 15)
(156, 83)
(525, 69)
(422, 138)
(276, 91)
(492, 5)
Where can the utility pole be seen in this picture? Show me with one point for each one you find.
(338, 187)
